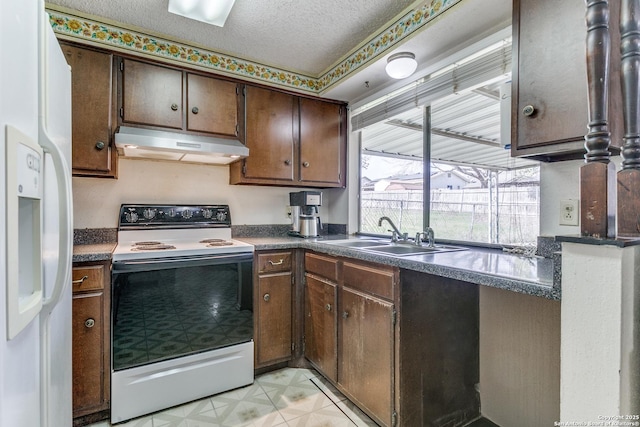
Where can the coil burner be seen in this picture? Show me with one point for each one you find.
(151, 246)
(216, 242)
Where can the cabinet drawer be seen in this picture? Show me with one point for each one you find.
(88, 278)
(274, 261)
(377, 280)
(324, 266)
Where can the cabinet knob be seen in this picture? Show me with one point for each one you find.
(174, 107)
(100, 145)
(195, 110)
(528, 110)
(266, 297)
(345, 314)
(287, 162)
(89, 323)
(79, 281)
(305, 164)
(328, 307)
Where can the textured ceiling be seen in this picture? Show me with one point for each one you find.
(329, 48)
(305, 36)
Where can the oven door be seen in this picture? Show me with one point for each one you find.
(166, 308)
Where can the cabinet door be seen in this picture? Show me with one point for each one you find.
(365, 359)
(320, 327)
(550, 76)
(270, 135)
(320, 142)
(151, 95)
(91, 92)
(89, 389)
(274, 318)
(212, 105)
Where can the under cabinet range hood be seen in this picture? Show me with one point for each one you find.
(160, 145)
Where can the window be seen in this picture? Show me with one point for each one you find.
(474, 191)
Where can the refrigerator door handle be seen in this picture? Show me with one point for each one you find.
(65, 247)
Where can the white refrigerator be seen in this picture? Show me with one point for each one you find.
(36, 218)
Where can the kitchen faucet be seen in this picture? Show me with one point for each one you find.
(428, 233)
(395, 232)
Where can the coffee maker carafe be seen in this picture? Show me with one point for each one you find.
(305, 221)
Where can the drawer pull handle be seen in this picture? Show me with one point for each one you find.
(80, 281)
(89, 323)
(328, 306)
(345, 314)
(266, 297)
(277, 263)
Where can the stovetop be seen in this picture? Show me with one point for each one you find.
(152, 231)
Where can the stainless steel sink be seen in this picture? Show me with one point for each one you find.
(410, 249)
(401, 250)
(393, 249)
(357, 243)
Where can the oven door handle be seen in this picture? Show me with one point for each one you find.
(175, 262)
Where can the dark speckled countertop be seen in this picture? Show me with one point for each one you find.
(487, 267)
(93, 252)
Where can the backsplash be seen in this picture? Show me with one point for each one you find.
(96, 201)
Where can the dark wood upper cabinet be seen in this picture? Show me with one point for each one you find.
(292, 141)
(320, 139)
(151, 95)
(549, 86)
(212, 105)
(92, 87)
(173, 99)
(269, 135)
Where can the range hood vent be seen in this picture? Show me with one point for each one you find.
(152, 144)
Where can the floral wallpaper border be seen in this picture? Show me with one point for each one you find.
(89, 30)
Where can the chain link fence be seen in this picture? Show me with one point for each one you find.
(464, 214)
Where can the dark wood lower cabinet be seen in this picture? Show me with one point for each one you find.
(438, 351)
(272, 305)
(91, 342)
(365, 355)
(320, 325)
(406, 343)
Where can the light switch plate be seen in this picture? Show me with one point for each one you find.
(569, 212)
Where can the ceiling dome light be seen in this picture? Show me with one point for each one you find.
(213, 12)
(401, 65)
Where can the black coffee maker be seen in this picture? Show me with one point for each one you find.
(305, 221)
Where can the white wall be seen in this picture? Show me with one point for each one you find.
(600, 336)
(97, 200)
(559, 181)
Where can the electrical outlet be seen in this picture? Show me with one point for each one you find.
(288, 211)
(569, 212)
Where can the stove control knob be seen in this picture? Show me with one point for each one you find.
(149, 213)
(131, 216)
(221, 216)
(207, 213)
(172, 213)
(186, 214)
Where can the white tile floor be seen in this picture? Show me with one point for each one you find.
(285, 398)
